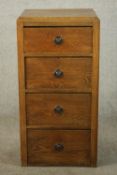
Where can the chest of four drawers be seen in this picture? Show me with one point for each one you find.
(58, 82)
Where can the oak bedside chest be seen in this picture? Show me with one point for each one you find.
(58, 57)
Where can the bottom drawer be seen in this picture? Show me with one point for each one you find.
(58, 147)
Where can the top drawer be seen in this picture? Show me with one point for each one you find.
(58, 40)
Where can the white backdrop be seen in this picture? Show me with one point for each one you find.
(107, 12)
(11, 9)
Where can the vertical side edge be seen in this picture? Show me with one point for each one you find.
(95, 86)
(21, 76)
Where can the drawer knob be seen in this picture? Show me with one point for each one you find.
(58, 147)
(58, 40)
(58, 109)
(58, 73)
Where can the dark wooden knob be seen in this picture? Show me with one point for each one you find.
(58, 73)
(58, 40)
(58, 147)
(58, 109)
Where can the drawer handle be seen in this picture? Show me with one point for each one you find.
(58, 40)
(58, 147)
(58, 109)
(58, 73)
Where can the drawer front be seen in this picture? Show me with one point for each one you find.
(58, 40)
(59, 147)
(59, 110)
(59, 73)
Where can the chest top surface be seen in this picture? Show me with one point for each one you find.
(58, 14)
(29, 13)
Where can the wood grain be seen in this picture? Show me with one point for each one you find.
(75, 39)
(76, 110)
(41, 149)
(56, 91)
(40, 73)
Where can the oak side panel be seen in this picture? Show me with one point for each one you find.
(22, 93)
(95, 80)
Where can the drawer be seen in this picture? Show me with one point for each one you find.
(59, 40)
(59, 73)
(59, 110)
(59, 147)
